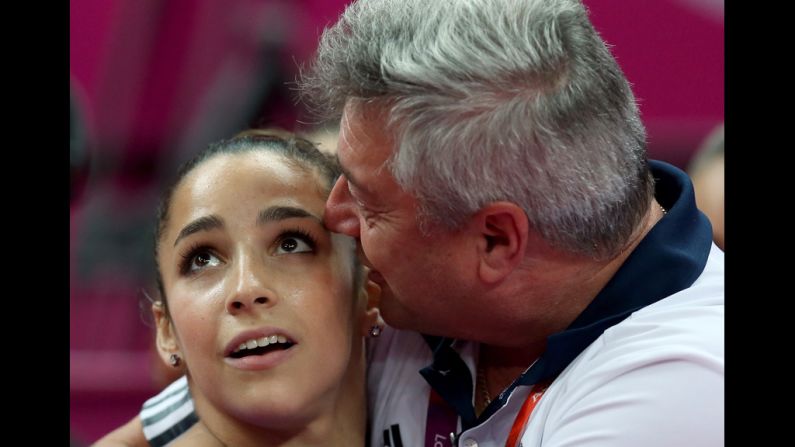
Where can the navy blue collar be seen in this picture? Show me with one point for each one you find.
(669, 259)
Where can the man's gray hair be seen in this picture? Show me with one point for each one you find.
(492, 100)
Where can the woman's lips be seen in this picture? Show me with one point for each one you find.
(256, 334)
(263, 361)
(280, 347)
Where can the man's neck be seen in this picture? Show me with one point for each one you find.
(560, 285)
(500, 365)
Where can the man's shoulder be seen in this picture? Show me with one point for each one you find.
(698, 308)
(667, 355)
(686, 328)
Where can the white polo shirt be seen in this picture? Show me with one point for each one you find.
(641, 366)
(654, 379)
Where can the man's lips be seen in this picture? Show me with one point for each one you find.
(376, 277)
(372, 274)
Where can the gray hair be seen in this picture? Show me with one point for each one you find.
(490, 100)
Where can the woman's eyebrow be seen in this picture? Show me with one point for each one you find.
(205, 223)
(276, 213)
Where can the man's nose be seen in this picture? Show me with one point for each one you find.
(341, 214)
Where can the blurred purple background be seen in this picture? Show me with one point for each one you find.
(154, 82)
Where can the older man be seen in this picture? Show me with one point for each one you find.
(566, 289)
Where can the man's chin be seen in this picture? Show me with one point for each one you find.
(376, 277)
(393, 313)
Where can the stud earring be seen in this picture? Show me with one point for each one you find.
(375, 331)
(174, 360)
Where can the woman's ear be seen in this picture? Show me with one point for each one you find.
(167, 343)
(372, 316)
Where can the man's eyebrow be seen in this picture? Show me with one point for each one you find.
(347, 175)
(205, 223)
(353, 181)
(276, 213)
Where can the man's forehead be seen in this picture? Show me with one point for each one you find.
(362, 125)
(363, 136)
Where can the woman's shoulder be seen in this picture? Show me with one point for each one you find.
(197, 436)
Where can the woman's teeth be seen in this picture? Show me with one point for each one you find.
(261, 342)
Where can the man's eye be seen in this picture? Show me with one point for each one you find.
(295, 244)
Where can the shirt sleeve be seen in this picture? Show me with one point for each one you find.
(169, 414)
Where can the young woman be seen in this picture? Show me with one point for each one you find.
(263, 308)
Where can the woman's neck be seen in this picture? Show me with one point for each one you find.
(340, 421)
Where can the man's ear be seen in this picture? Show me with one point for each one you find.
(167, 343)
(503, 234)
(371, 316)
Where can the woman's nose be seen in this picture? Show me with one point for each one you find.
(250, 290)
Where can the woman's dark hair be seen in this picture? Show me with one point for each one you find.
(299, 152)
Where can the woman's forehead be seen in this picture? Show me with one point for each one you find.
(233, 182)
(259, 167)
(265, 161)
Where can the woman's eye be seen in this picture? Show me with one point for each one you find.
(202, 260)
(294, 244)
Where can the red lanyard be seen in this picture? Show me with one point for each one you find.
(442, 420)
(524, 413)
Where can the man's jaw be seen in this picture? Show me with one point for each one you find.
(372, 274)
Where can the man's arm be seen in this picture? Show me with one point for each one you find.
(130, 434)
